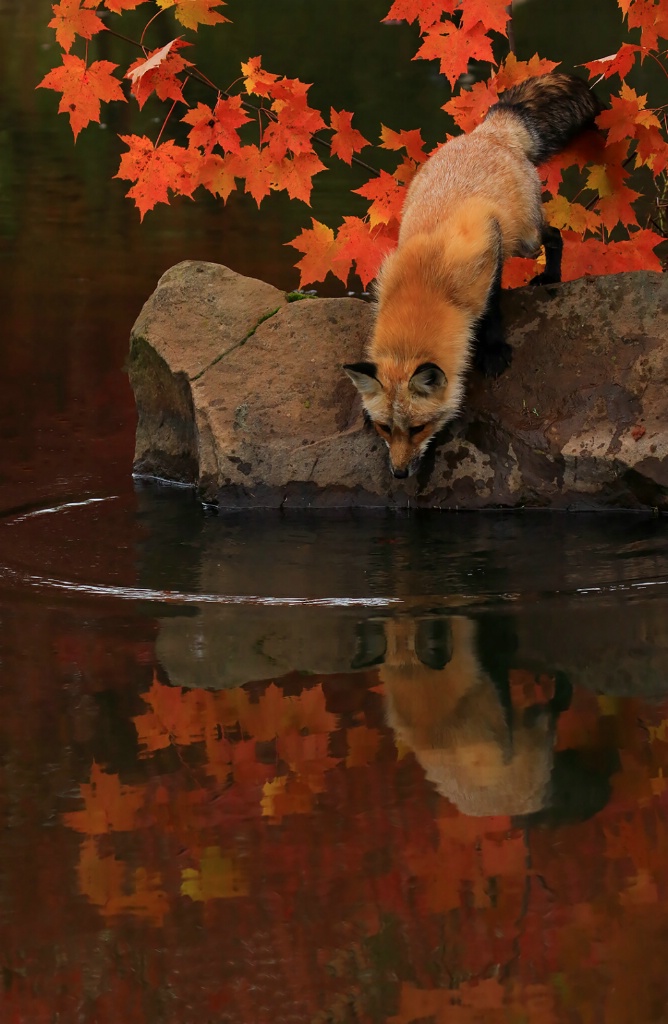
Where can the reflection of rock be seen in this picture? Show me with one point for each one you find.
(241, 393)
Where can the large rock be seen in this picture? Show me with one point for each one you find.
(240, 392)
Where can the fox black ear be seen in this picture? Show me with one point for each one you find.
(363, 376)
(433, 642)
(427, 379)
(371, 645)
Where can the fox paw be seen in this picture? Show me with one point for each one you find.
(492, 361)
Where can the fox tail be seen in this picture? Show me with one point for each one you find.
(553, 108)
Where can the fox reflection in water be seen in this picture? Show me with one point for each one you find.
(448, 699)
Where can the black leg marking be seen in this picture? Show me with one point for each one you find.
(492, 352)
(554, 246)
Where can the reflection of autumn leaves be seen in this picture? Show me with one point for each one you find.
(266, 797)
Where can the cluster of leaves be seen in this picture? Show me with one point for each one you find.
(265, 134)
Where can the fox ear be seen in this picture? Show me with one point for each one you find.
(363, 376)
(427, 379)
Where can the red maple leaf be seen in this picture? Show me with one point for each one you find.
(411, 141)
(427, 12)
(455, 47)
(518, 271)
(652, 20)
(388, 197)
(192, 13)
(217, 127)
(116, 6)
(155, 170)
(70, 20)
(627, 111)
(295, 121)
(652, 148)
(492, 13)
(367, 246)
(619, 63)
(218, 174)
(320, 250)
(158, 73)
(256, 80)
(295, 175)
(83, 89)
(346, 140)
(593, 257)
(469, 108)
(258, 167)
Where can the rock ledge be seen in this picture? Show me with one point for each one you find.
(240, 393)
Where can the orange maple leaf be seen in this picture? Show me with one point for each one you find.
(518, 271)
(258, 167)
(155, 170)
(346, 140)
(652, 148)
(295, 175)
(158, 73)
(562, 213)
(492, 13)
(257, 80)
(70, 20)
(388, 197)
(320, 249)
(217, 127)
(455, 47)
(218, 174)
(514, 71)
(192, 13)
(295, 123)
(426, 12)
(83, 88)
(109, 806)
(367, 247)
(411, 141)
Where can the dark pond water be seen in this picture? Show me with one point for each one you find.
(332, 770)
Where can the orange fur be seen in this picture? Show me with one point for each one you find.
(454, 722)
(473, 204)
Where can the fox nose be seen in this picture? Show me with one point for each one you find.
(400, 474)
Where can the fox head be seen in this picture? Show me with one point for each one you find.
(407, 405)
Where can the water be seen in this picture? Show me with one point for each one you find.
(404, 769)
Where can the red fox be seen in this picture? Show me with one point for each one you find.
(473, 204)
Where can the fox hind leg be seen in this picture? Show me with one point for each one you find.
(554, 247)
(493, 354)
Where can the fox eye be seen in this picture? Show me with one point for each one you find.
(385, 427)
(416, 430)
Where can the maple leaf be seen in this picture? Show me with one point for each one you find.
(295, 121)
(259, 170)
(217, 127)
(295, 175)
(387, 195)
(615, 197)
(514, 71)
(593, 257)
(426, 12)
(192, 13)
(562, 213)
(627, 111)
(619, 63)
(455, 47)
(320, 249)
(492, 13)
(652, 148)
(155, 170)
(469, 108)
(83, 89)
(346, 140)
(116, 6)
(256, 80)
(652, 20)
(518, 271)
(70, 20)
(585, 149)
(411, 141)
(367, 247)
(109, 806)
(158, 73)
